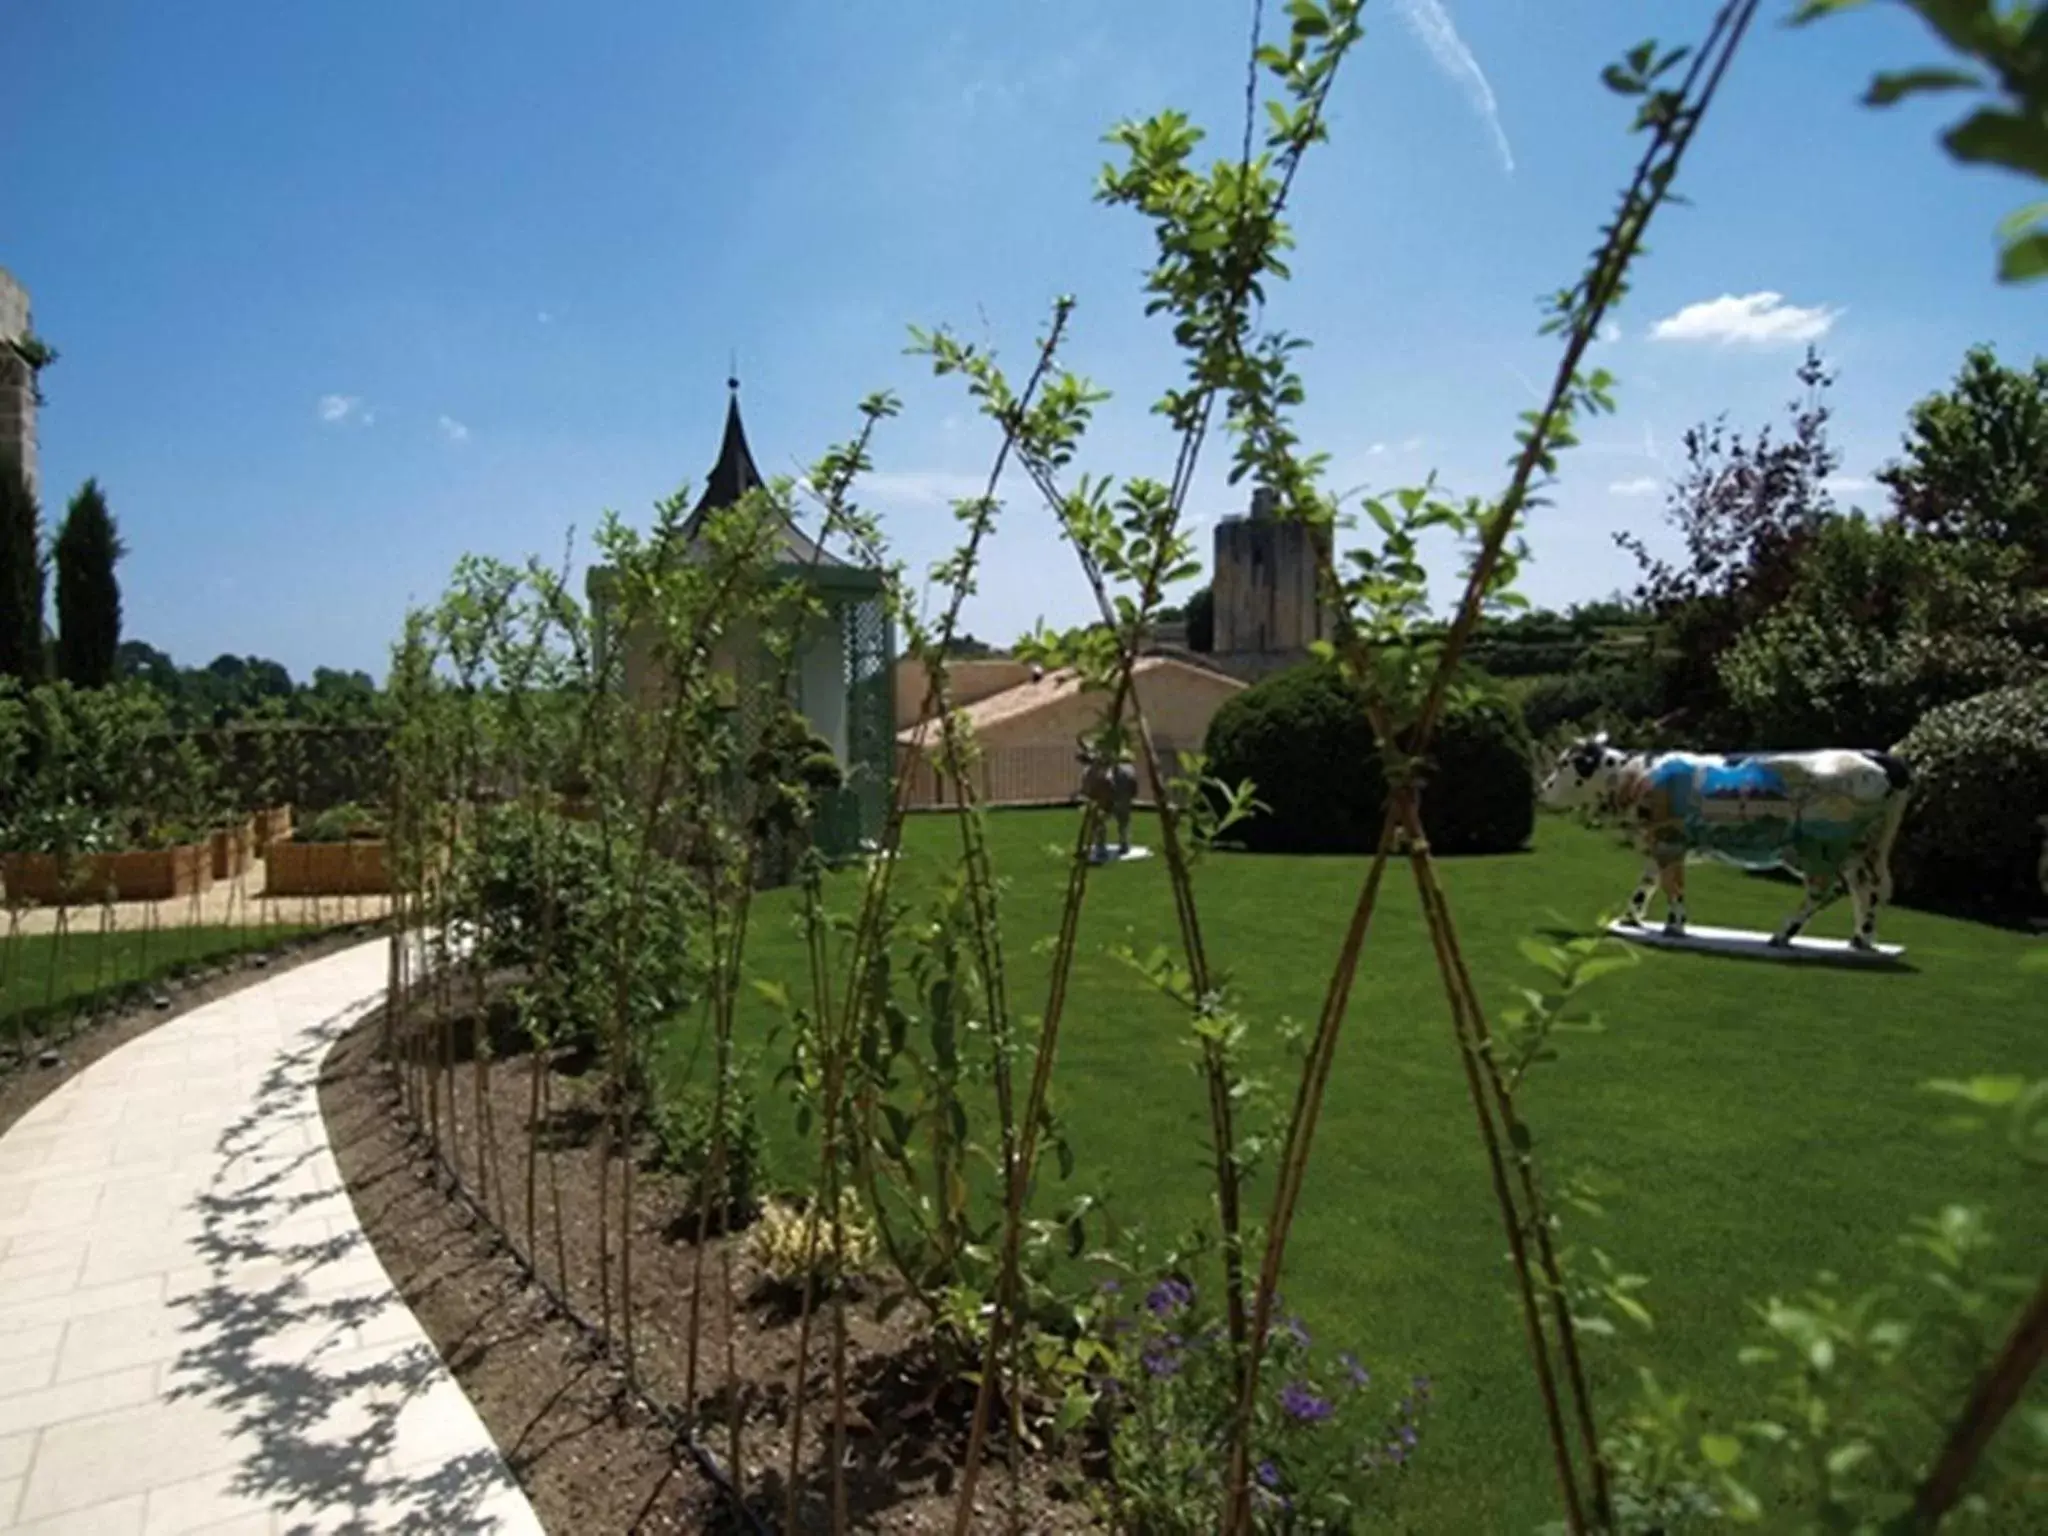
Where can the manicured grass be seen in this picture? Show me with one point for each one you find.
(45, 981)
(1762, 1120)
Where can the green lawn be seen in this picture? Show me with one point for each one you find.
(40, 981)
(1762, 1120)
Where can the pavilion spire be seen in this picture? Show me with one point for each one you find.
(735, 473)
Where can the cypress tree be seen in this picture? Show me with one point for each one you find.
(88, 596)
(21, 577)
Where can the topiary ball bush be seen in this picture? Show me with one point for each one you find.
(1972, 835)
(1301, 737)
(1480, 796)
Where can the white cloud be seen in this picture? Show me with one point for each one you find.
(1376, 449)
(545, 317)
(338, 408)
(1439, 34)
(1610, 332)
(1641, 485)
(1848, 485)
(1762, 319)
(920, 487)
(453, 430)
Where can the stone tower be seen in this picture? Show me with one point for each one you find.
(17, 382)
(1267, 609)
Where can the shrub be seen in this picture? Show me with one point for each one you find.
(1972, 833)
(339, 825)
(777, 1243)
(1301, 737)
(685, 1126)
(549, 906)
(1609, 698)
(1881, 626)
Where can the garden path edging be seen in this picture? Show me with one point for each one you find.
(194, 1330)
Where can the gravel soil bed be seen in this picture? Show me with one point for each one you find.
(593, 1452)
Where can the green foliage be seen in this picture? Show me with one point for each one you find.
(88, 595)
(1479, 793)
(339, 824)
(548, 906)
(1201, 619)
(713, 1142)
(1615, 699)
(1980, 788)
(1329, 1440)
(1860, 1386)
(232, 689)
(1302, 740)
(89, 771)
(2006, 40)
(21, 578)
(1976, 462)
(1882, 625)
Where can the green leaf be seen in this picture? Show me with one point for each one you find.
(2022, 261)
(1844, 1459)
(1991, 1092)
(1990, 136)
(1542, 956)
(1893, 86)
(1723, 1451)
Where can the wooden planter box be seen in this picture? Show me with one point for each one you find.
(356, 868)
(271, 826)
(233, 848)
(154, 874)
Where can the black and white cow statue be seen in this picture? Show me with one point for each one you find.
(1112, 787)
(1829, 817)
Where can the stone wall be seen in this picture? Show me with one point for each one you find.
(17, 384)
(1265, 588)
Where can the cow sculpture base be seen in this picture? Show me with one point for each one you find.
(1743, 941)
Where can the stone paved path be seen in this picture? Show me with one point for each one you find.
(195, 1335)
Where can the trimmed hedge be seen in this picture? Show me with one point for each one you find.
(1972, 835)
(1607, 694)
(1301, 737)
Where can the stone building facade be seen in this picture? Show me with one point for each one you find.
(1268, 609)
(17, 383)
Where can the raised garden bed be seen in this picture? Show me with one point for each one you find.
(358, 867)
(271, 826)
(232, 849)
(151, 874)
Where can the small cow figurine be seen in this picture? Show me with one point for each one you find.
(1112, 787)
(1830, 817)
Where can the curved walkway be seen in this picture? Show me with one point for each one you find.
(195, 1335)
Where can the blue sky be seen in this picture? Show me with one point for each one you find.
(343, 291)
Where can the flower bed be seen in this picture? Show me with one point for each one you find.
(152, 874)
(358, 867)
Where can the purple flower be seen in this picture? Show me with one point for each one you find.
(1302, 1405)
(1421, 1385)
(1360, 1376)
(1292, 1327)
(1407, 1436)
(1111, 1287)
(1397, 1453)
(1169, 1296)
(1163, 1357)
(1269, 1475)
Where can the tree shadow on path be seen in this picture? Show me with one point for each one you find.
(308, 1350)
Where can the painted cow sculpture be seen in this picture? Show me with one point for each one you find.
(1112, 787)
(1829, 817)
